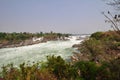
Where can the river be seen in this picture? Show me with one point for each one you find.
(37, 52)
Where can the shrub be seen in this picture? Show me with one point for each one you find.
(91, 71)
(106, 36)
(93, 47)
(114, 67)
(103, 72)
(26, 72)
(101, 46)
(97, 35)
(88, 70)
(10, 73)
(60, 68)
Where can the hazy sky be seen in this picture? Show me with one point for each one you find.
(66, 16)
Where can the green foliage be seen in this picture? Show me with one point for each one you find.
(92, 46)
(15, 37)
(91, 71)
(51, 36)
(21, 38)
(54, 69)
(103, 72)
(88, 70)
(101, 46)
(97, 35)
(97, 46)
(10, 73)
(39, 34)
(60, 68)
(57, 69)
(114, 67)
(106, 36)
(2, 35)
(26, 72)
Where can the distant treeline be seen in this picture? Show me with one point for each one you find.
(16, 38)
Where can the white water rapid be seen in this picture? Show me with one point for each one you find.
(37, 52)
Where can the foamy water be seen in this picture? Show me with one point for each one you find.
(37, 52)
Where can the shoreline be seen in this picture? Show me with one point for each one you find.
(29, 42)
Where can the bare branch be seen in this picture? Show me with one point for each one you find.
(115, 27)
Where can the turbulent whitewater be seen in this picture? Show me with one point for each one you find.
(37, 52)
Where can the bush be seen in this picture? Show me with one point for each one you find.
(97, 35)
(57, 69)
(101, 46)
(93, 47)
(114, 67)
(103, 72)
(26, 72)
(106, 36)
(91, 71)
(60, 68)
(88, 70)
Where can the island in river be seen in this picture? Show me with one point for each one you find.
(14, 39)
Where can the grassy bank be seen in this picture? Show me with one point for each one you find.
(101, 46)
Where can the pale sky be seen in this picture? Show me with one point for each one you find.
(65, 16)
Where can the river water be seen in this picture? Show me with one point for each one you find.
(37, 52)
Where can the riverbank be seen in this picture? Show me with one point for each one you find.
(100, 47)
(10, 40)
(28, 42)
(38, 52)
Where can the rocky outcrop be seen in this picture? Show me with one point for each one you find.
(22, 43)
(76, 45)
(79, 57)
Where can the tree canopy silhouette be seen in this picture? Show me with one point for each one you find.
(114, 19)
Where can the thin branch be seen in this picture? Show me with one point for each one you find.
(116, 27)
(111, 21)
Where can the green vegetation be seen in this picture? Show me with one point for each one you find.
(99, 58)
(57, 69)
(97, 35)
(102, 46)
(103, 62)
(22, 39)
(55, 36)
(14, 37)
(23, 36)
(54, 69)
